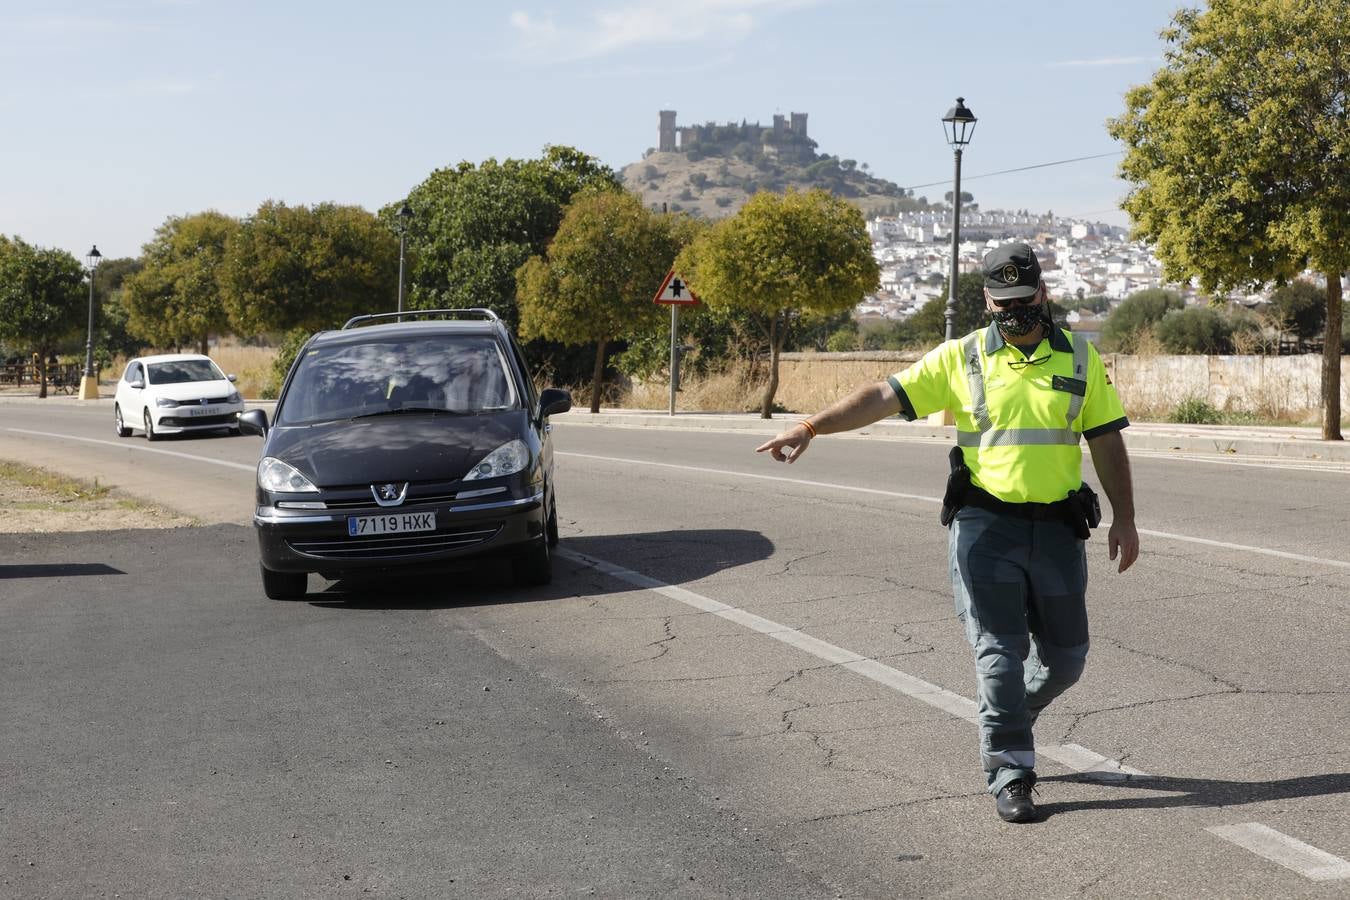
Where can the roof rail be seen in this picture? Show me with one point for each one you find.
(486, 314)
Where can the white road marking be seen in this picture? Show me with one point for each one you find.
(1317, 560)
(1280, 848)
(1302, 858)
(137, 448)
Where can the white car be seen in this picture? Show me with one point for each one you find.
(174, 394)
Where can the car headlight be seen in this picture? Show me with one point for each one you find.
(279, 477)
(233, 398)
(508, 459)
(165, 402)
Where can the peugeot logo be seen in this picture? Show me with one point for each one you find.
(389, 494)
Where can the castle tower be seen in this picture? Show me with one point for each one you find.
(666, 144)
(799, 125)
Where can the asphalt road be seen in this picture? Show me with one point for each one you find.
(746, 680)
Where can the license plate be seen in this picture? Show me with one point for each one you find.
(397, 523)
(203, 411)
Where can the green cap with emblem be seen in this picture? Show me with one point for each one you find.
(1011, 271)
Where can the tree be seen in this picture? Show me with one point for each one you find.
(473, 226)
(309, 267)
(596, 282)
(175, 298)
(43, 299)
(784, 258)
(111, 315)
(1239, 152)
(1195, 329)
(1136, 314)
(1299, 307)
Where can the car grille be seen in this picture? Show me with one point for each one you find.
(397, 546)
(414, 499)
(189, 421)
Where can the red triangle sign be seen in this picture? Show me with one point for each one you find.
(675, 291)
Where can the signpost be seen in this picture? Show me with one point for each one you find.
(674, 292)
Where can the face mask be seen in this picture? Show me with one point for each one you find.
(1018, 320)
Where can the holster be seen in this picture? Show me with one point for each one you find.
(958, 483)
(1084, 511)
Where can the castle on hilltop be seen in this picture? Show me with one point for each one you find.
(787, 139)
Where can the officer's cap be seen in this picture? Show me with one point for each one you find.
(1011, 271)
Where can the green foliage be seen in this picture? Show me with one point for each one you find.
(1239, 153)
(783, 258)
(1195, 329)
(473, 226)
(308, 267)
(43, 298)
(1300, 307)
(175, 298)
(597, 280)
(1136, 314)
(1195, 410)
(111, 316)
(291, 343)
(1096, 303)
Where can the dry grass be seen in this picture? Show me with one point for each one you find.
(730, 390)
(251, 365)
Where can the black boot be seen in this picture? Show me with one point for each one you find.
(1014, 802)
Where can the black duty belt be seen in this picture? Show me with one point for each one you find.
(985, 500)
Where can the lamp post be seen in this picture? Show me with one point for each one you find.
(959, 125)
(89, 383)
(404, 216)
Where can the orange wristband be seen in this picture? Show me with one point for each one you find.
(811, 429)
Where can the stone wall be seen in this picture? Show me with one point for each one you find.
(1273, 386)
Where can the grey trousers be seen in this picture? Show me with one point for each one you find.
(1020, 589)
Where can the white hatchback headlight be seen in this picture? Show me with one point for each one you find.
(508, 459)
(233, 398)
(279, 477)
(165, 402)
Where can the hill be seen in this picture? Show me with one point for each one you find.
(712, 181)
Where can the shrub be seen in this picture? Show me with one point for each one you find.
(286, 353)
(1196, 329)
(1195, 410)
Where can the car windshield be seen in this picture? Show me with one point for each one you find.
(460, 374)
(181, 371)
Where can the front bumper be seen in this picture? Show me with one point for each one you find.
(178, 420)
(300, 540)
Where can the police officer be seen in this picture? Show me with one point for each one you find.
(1022, 393)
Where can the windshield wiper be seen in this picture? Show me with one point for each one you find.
(405, 410)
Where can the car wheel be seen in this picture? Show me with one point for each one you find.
(149, 427)
(283, 585)
(122, 429)
(534, 566)
(551, 527)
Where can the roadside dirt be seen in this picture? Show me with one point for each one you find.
(25, 509)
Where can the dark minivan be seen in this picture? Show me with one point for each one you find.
(405, 445)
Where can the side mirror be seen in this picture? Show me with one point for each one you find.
(254, 421)
(137, 383)
(553, 401)
(231, 378)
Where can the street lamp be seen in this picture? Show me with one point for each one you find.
(89, 383)
(404, 216)
(959, 125)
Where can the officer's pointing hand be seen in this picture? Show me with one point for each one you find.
(788, 446)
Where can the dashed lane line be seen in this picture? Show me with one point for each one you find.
(1280, 848)
(1184, 538)
(1266, 842)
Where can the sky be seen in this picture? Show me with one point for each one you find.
(119, 114)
